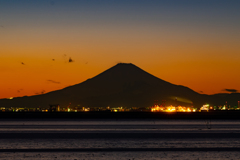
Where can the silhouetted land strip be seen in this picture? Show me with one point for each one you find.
(120, 149)
(137, 135)
(121, 115)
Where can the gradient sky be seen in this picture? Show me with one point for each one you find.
(195, 43)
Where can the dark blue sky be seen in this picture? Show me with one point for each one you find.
(187, 39)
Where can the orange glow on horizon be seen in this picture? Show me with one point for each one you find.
(203, 60)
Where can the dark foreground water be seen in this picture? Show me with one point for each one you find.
(120, 139)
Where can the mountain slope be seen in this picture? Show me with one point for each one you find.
(122, 85)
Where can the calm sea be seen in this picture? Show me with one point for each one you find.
(119, 139)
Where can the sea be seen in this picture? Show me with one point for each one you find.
(125, 139)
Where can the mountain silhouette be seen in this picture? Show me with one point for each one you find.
(123, 85)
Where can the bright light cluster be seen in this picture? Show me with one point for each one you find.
(205, 107)
(171, 108)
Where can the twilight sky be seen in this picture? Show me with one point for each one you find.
(195, 43)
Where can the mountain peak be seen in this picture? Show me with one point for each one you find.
(124, 71)
(125, 64)
(124, 84)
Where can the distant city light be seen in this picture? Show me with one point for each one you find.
(155, 108)
(205, 107)
(171, 108)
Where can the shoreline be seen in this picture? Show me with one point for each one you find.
(121, 115)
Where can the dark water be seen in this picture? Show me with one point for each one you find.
(119, 139)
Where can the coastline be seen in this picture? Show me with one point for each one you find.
(121, 115)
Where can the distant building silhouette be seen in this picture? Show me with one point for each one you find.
(54, 108)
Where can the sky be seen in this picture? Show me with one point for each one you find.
(194, 43)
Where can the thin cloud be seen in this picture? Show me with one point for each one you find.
(231, 90)
(52, 81)
(70, 60)
(42, 92)
(19, 90)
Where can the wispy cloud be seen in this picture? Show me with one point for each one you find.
(231, 90)
(70, 60)
(41, 92)
(52, 81)
(19, 90)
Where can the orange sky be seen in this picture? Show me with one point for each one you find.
(199, 50)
